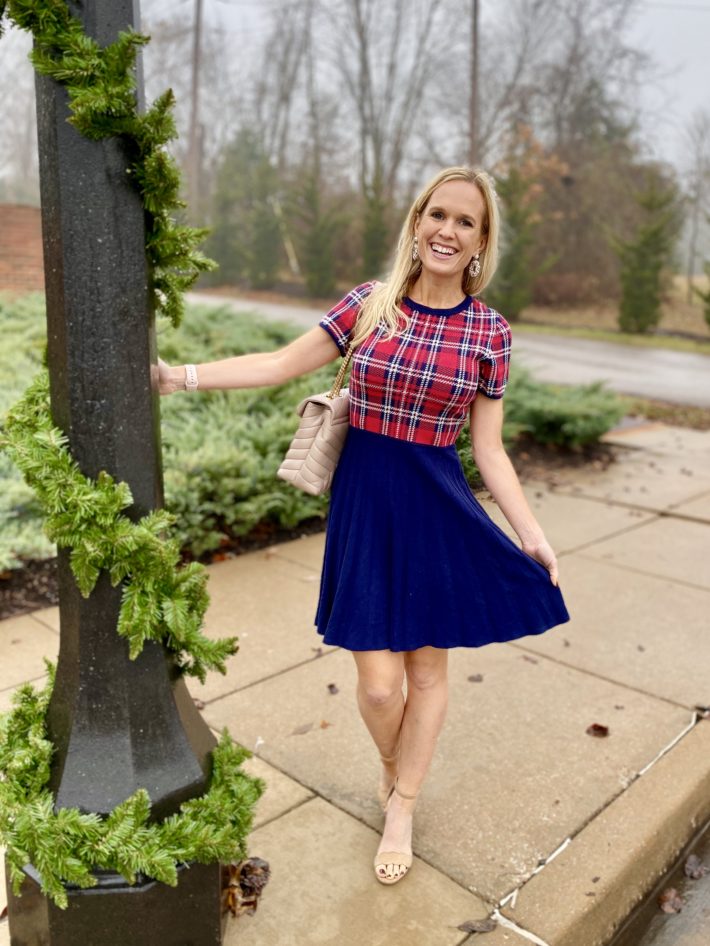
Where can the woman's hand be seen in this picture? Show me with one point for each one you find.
(542, 552)
(170, 379)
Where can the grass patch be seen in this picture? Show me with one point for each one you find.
(675, 415)
(671, 342)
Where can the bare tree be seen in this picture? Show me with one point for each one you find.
(386, 56)
(223, 81)
(697, 137)
(19, 174)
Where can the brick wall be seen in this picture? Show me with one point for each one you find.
(21, 264)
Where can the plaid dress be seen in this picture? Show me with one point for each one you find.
(411, 558)
(419, 385)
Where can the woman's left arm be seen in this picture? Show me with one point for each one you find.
(498, 474)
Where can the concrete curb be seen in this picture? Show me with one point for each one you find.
(628, 847)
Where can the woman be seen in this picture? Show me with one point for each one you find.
(413, 566)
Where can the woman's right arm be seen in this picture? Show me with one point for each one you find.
(306, 353)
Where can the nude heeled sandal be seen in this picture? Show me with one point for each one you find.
(386, 859)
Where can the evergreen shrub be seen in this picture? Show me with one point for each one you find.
(222, 448)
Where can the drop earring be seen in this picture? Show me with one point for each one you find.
(474, 267)
(415, 249)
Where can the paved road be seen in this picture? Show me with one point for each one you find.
(680, 377)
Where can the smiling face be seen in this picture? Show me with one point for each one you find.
(449, 230)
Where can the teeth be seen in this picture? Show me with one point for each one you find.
(438, 248)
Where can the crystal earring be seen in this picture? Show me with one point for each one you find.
(474, 267)
(415, 249)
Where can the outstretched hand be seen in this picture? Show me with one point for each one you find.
(165, 378)
(542, 552)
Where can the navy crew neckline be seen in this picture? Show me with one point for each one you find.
(427, 310)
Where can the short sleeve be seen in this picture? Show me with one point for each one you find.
(340, 321)
(495, 364)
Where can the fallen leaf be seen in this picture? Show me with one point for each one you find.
(596, 879)
(596, 729)
(695, 868)
(702, 711)
(532, 660)
(478, 926)
(565, 642)
(619, 706)
(475, 678)
(324, 724)
(302, 730)
(640, 647)
(670, 901)
(332, 689)
(318, 651)
(198, 703)
(15, 640)
(590, 893)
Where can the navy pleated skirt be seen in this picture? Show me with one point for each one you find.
(412, 559)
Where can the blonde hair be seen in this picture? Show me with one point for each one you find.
(383, 303)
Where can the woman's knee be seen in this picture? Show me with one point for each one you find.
(426, 670)
(380, 676)
(379, 691)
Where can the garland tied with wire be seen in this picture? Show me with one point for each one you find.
(161, 600)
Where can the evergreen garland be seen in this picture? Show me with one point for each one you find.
(66, 846)
(161, 601)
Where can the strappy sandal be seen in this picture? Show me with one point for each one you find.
(384, 794)
(386, 859)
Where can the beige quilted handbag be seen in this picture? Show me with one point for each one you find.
(311, 459)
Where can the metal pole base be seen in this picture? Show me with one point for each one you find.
(116, 914)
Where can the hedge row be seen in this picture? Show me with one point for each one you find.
(221, 449)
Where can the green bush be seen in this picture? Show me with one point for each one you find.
(221, 449)
(565, 416)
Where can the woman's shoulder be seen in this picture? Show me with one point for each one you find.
(498, 324)
(361, 292)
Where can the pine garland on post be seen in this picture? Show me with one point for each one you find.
(66, 845)
(162, 601)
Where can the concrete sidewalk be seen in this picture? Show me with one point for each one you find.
(516, 779)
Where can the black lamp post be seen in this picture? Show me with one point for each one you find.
(118, 725)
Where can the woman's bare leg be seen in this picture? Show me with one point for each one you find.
(424, 713)
(381, 702)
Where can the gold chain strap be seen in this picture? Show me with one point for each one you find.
(338, 383)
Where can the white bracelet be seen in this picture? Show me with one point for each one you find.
(190, 378)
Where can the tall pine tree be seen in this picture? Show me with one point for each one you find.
(645, 257)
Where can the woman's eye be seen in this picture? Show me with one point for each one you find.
(437, 214)
(467, 223)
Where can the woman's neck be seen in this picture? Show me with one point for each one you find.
(435, 293)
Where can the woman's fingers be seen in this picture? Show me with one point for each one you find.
(544, 554)
(164, 383)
